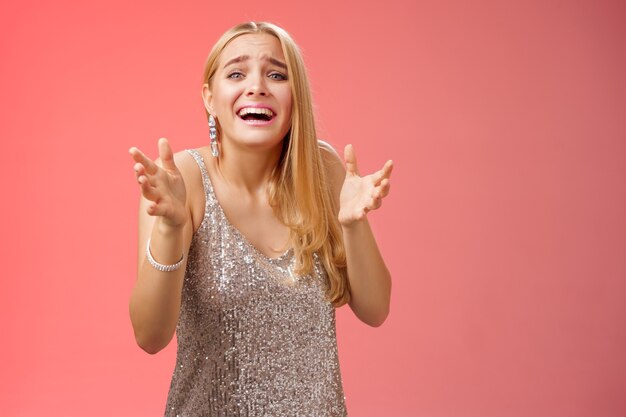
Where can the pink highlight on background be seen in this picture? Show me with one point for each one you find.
(505, 229)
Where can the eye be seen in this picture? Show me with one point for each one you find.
(277, 76)
(235, 75)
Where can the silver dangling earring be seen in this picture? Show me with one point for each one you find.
(215, 151)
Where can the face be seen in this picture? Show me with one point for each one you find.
(250, 95)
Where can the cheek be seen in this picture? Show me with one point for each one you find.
(223, 100)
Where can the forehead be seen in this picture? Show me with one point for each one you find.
(254, 45)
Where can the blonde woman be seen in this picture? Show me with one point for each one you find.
(247, 245)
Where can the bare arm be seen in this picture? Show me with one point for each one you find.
(165, 218)
(370, 281)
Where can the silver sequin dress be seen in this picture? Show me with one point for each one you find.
(253, 339)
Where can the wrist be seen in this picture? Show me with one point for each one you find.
(159, 266)
(355, 224)
(167, 229)
(165, 246)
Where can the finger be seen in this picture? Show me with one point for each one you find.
(375, 203)
(166, 154)
(147, 190)
(138, 156)
(349, 157)
(385, 186)
(385, 172)
(140, 171)
(153, 209)
(148, 179)
(158, 209)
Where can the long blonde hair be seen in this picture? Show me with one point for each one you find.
(299, 192)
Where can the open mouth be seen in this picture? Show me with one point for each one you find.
(256, 115)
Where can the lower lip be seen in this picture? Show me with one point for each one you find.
(255, 122)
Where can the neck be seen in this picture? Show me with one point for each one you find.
(247, 169)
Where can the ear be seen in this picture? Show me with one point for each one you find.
(207, 98)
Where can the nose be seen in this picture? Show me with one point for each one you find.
(257, 85)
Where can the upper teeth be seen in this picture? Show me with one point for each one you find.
(256, 110)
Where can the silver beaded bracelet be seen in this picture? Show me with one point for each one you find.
(161, 267)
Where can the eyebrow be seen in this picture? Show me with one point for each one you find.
(246, 57)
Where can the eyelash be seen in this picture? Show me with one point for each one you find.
(281, 77)
(231, 75)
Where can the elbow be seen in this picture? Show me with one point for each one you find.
(151, 341)
(150, 346)
(383, 312)
(149, 337)
(372, 315)
(372, 318)
(378, 320)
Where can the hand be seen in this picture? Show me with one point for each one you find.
(162, 185)
(359, 195)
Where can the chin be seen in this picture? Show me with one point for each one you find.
(260, 139)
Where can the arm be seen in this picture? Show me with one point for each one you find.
(369, 278)
(164, 217)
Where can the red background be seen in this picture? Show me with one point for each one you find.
(505, 229)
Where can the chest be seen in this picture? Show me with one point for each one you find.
(256, 222)
(253, 218)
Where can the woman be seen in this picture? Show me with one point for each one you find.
(246, 246)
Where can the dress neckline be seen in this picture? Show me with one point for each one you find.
(210, 193)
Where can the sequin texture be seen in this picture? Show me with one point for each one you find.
(253, 338)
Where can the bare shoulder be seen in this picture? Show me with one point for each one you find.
(333, 167)
(327, 149)
(187, 166)
(333, 164)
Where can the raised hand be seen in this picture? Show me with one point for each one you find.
(359, 195)
(162, 185)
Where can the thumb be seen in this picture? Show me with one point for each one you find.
(350, 158)
(166, 155)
